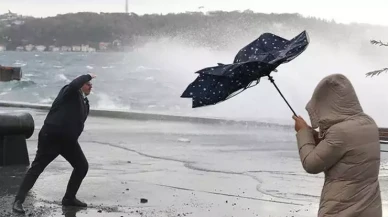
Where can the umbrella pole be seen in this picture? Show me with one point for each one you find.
(273, 82)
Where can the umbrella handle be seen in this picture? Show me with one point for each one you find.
(273, 82)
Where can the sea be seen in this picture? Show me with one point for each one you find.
(152, 77)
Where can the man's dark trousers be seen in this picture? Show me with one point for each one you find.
(50, 145)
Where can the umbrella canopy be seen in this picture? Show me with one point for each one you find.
(259, 58)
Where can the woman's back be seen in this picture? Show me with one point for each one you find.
(351, 185)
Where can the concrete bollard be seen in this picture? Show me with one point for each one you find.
(15, 128)
(10, 73)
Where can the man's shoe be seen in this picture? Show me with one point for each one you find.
(73, 202)
(18, 207)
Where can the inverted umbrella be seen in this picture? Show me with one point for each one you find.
(257, 59)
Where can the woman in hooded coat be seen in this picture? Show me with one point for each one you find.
(346, 148)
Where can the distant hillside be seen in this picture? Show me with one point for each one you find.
(215, 29)
(11, 19)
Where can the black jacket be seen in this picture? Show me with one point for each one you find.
(69, 110)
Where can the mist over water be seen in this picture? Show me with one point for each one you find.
(152, 77)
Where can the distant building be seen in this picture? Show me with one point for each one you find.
(11, 16)
(18, 22)
(20, 48)
(85, 48)
(116, 43)
(29, 47)
(65, 49)
(54, 49)
(40, 48)
(103, 46)
(76, 48)
(9, 19)
(92, 49)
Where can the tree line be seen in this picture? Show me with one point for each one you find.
(214, 29)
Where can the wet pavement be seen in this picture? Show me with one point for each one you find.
(182, 169)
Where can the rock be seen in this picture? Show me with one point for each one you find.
(127, 189)
(100, 211)
(129, 162)
(143, 200)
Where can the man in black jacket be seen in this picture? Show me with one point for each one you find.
(59, 136)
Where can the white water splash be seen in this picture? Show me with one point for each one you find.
(107, 67)
(46, 101)
(109, 102)
(145, 68)
(63, 77)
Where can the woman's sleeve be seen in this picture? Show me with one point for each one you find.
(317, 158)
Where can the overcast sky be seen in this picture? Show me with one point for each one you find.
(345, 11)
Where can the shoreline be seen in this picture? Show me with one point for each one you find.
(139, 115)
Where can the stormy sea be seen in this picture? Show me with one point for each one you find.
(152, 77)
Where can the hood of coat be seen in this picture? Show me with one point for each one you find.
(333, 101)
